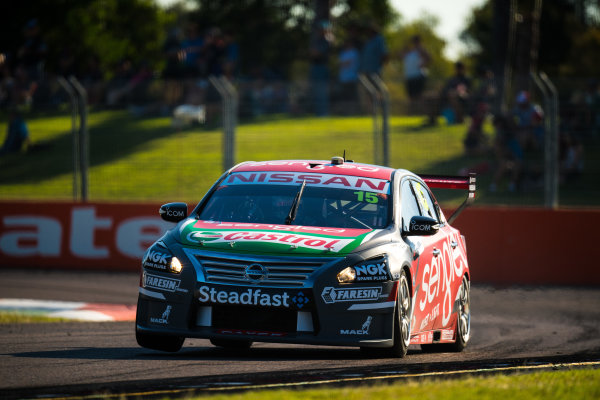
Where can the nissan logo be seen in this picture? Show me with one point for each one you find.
(255, 272)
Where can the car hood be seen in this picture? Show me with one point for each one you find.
(272, 239)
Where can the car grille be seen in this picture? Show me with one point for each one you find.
(277, 272)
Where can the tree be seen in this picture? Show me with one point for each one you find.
(563, 33)
(109, 30)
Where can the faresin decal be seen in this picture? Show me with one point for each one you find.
(318, 180)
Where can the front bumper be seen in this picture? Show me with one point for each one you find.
(319, 320)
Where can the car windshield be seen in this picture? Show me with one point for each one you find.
(317, 206)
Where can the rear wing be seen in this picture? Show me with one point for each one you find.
(454, 182)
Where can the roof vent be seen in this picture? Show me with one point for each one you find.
(337, 160)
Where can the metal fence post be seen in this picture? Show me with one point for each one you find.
(385, 112)
(551, 171)
(229, 98)
(74, 133)
(552, 148)
(375, 103)
(84, 148)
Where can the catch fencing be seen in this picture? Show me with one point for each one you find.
(169, 140)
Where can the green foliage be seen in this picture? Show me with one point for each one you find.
(568, 42)
(109, 30)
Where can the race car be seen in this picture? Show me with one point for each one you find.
(310, 252)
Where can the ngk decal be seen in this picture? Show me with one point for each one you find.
(72, 235)
(319, 180)
(375, 271)
(292, 239)
(440, 275)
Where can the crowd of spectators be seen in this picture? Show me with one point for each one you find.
(192, 55)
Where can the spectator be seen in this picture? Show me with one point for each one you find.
(415, 59)
(508, 153)
(32, 54)
(453, 100)
(192, 47)
(17, 135)
(571, 157)
(529, 118)
(592, 107)
(374, 54)
(6, 81)
(319, 68)
(231, 55)
(349, 61)
(475, 141)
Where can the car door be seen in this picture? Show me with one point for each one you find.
(424, 278)
(432, 264)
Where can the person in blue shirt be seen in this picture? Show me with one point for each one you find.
(17, 134)
(374, 53)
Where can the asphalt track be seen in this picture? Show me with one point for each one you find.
(512, 329)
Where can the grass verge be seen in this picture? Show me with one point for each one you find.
(15, 317)
(571, 384)
(146, 159)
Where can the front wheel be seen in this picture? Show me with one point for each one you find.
(402, 320)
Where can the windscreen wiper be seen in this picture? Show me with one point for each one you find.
(294, 210)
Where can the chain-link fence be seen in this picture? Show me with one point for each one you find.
(159, 140)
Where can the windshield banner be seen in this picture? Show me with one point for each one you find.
(319, 180)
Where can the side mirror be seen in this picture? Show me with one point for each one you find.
(422, 226)
(173, 212)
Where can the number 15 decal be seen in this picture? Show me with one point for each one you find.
(369, 197)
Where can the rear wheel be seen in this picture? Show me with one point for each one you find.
(159, 342)
(232, 344)
(463, 323)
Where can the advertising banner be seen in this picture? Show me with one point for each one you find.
(73, 235)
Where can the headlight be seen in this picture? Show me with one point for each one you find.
(347, 275)
(159, 258)
(175, 265)
(374, 270)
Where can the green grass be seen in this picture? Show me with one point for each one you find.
(559, 385)
(15, 317)
(146, 159)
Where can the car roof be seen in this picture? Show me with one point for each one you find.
(318, 167)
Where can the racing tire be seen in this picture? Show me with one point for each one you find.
(463, 323)
(402, 319)
(153, 341)
(401, 325)
(232, 343)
